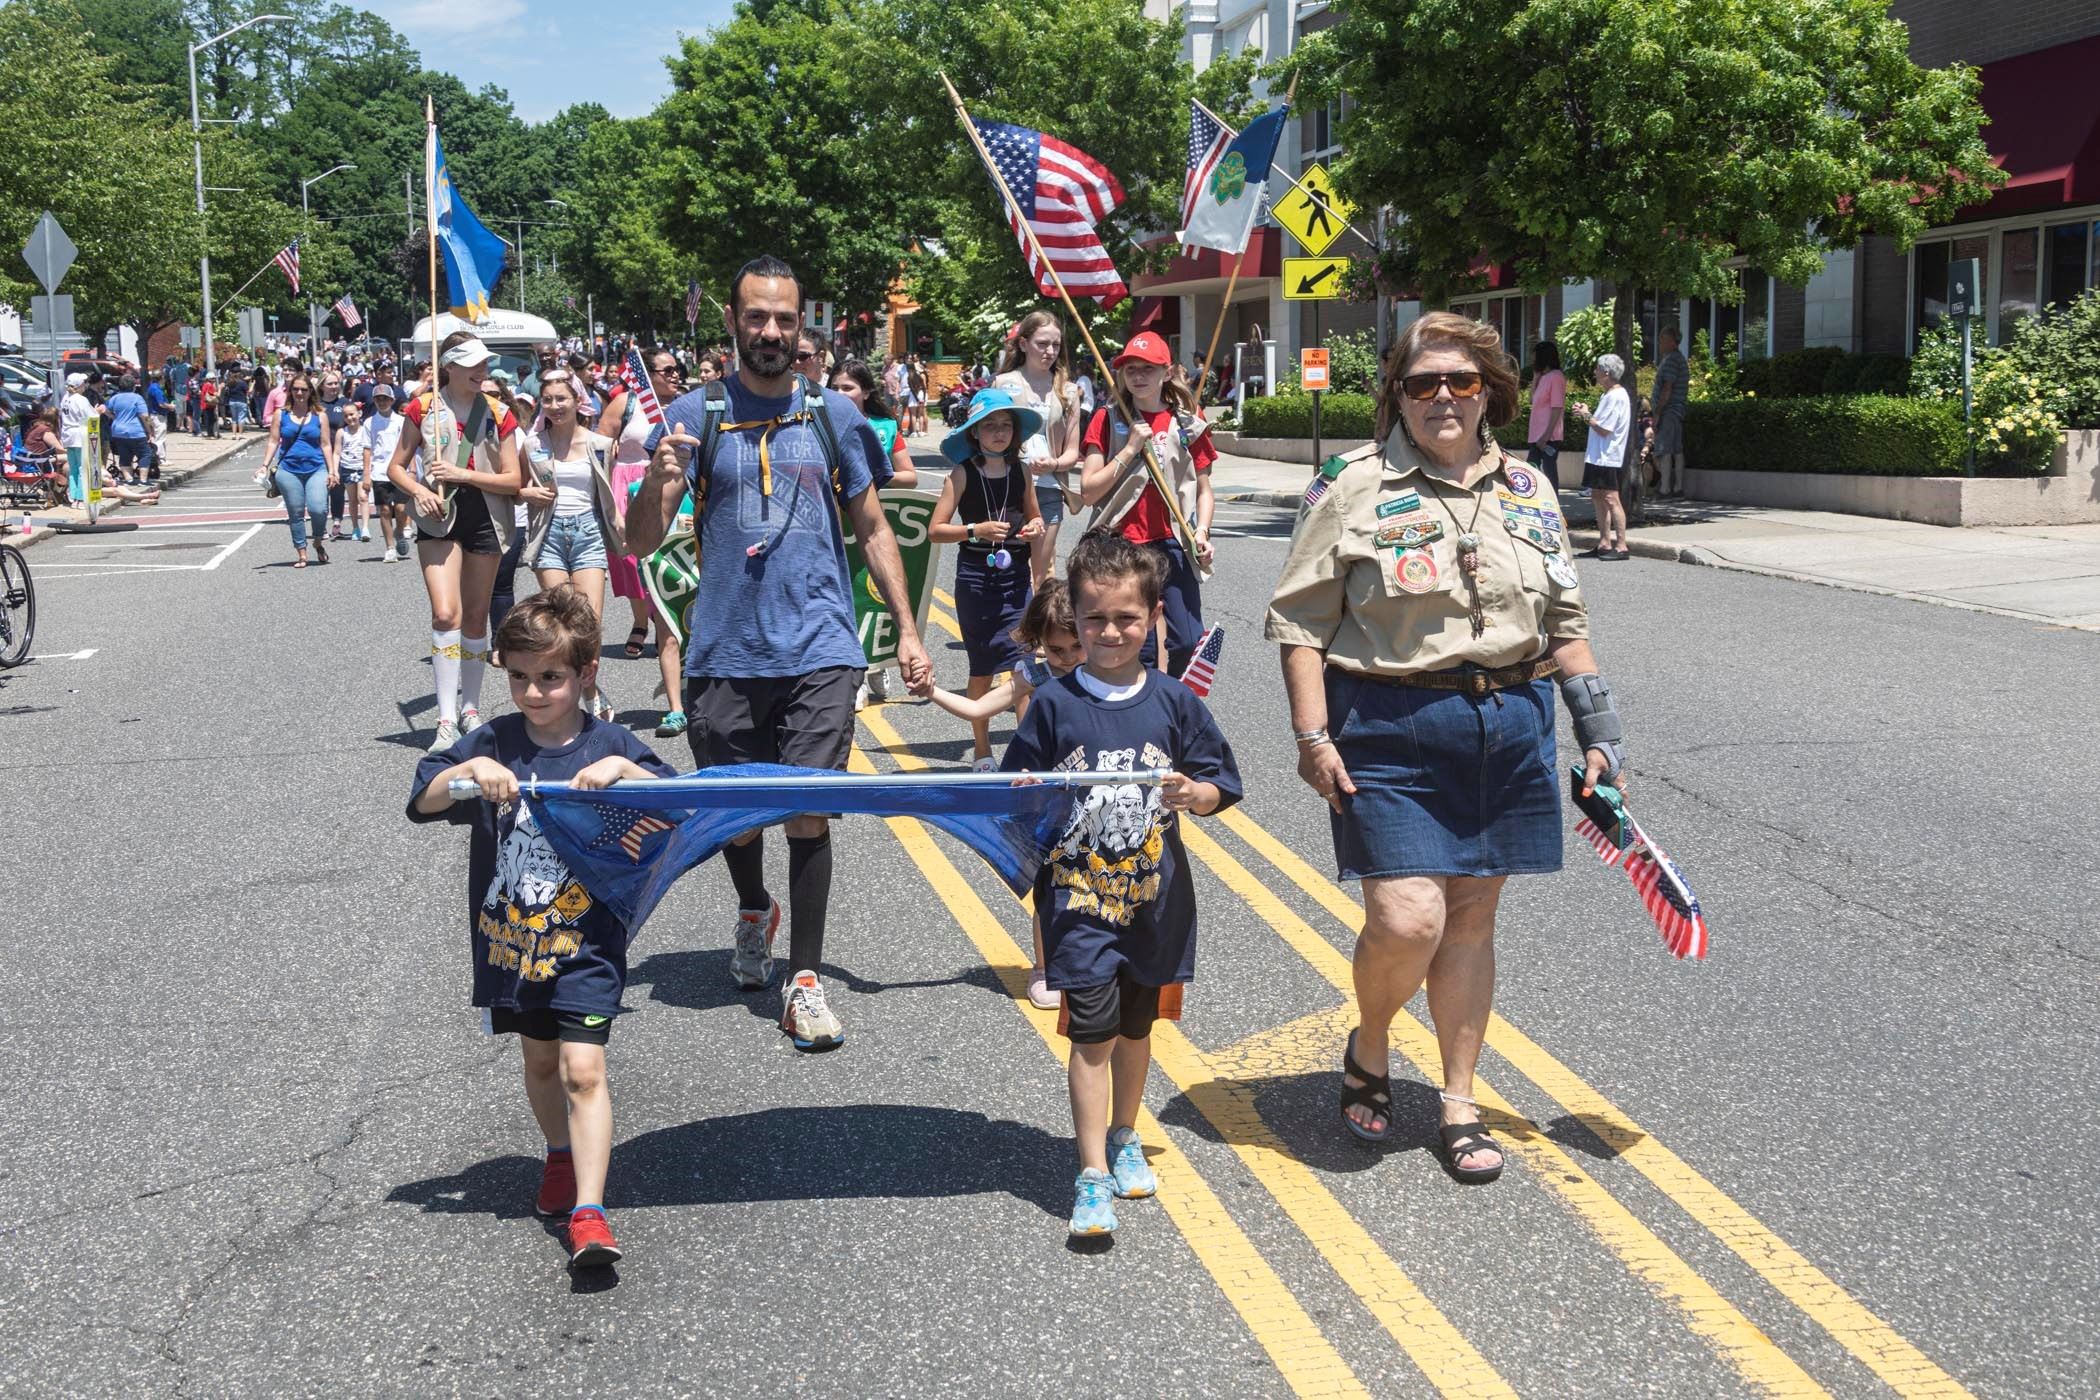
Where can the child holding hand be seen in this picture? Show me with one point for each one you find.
(1116, 896)
(550, 963)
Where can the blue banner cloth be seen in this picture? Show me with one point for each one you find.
(630, 842)
(473, 256)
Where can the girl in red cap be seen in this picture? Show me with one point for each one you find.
(1125, 501)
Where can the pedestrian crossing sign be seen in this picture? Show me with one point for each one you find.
(1312, 212)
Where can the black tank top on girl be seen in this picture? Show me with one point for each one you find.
(984, 498)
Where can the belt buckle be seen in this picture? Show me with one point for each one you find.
(1477, 684)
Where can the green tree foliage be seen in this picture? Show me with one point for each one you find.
(1585, 334)
(1644, 141)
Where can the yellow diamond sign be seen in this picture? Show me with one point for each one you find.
(1312, 212)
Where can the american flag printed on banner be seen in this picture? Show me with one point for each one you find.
(626, 827)
(288, 259)
(1208, 138)
(1203, 666)
(635, 375)
(347, 309)
(1063, 193)
(1661, 885)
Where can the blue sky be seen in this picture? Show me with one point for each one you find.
(548, 56)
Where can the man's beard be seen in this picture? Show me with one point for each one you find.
(768, 359)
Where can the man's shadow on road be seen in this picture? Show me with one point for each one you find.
(698, 979)
(842, 1152)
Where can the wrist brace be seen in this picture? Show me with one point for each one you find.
(1596, 718)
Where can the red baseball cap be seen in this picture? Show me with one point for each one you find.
(1145, 348)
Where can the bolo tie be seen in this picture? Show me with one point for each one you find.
(1468, 555)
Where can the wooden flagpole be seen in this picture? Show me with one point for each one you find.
(430, 222)
(1182, 529)
(1225, 306)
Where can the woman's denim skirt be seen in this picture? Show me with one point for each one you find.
(1446, 783)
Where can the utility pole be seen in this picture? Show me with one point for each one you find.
(211, 356)
(306, 220)
(408, 199)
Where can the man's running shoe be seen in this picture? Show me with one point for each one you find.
(807, 1017)
(752, 962)
(447, 736)
(469, 720)
(591, 1242)
(1093, 1204)
(1126, 1162)
(671, 725)
(557, 1195)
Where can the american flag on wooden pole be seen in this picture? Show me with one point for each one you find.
(347, 309)
(635, 375)
(1063, 193)
(1203, 666)
(692, 304)
(288, 259)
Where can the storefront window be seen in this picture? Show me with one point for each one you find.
(2064, 265)
(1929, 263)
(1757, 314)
(2017, 278)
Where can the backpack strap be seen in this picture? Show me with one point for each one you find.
(716, 401)
(827, 436)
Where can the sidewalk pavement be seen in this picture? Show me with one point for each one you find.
(2044, 573)
(185, 457)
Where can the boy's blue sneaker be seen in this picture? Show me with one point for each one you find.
(1093, 1205)
(1126, 1159)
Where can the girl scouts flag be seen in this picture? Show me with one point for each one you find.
(1664, 893)
(473, 256)
(630, 842)
(1228, 178)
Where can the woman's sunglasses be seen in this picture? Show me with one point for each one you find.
(1463, 384)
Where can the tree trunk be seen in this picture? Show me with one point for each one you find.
(1625, 301)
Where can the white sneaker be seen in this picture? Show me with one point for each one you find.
(1039, 994)
(860, 698)
(469, 720)
(447, 736)
(877, 685)
(752, 962)
(389, 557)
(807, 1017)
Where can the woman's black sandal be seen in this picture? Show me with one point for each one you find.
(635, 642)
(1375, 1093)
(1465, 1139)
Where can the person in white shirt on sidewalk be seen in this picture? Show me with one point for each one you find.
(1602, 474)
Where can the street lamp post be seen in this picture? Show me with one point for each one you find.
(520, 223)
(211, 357)
(313, 321)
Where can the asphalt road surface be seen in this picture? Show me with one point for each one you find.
(257, 1144)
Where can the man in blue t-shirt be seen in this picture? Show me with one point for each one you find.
(126, 412)
(775, 656)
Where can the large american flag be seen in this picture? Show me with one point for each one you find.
(1063, 193)
(1203, 666)
(347, 309)
(1208, 138)
(288, 259)
(635, 375)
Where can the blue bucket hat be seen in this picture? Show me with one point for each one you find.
(957, 447)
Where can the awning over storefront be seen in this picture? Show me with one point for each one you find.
(1206, 270)
(1161, 315)
(2045, 128)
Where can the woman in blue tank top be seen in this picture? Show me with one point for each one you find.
(302, 455)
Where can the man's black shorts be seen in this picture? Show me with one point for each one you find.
(804, 721)
(541, 1023)
(1124, 1007)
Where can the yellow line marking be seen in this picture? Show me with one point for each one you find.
(1302, 1354)
(945, 621)
(942, 595)
(1708, 1315)
(1905, 1369)
(1257, 1056)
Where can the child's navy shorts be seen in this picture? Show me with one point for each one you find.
(1124, 1007)
(544, 1023)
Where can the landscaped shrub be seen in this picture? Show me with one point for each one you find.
(1290, 416)
(1847, 434)
(2061, 348)
(2020, 402)
(1584, 335)
(1823, 369)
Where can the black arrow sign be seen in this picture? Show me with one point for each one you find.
(1308, 283)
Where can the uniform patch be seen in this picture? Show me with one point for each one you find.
(1405, 501)
(1409, 533)
(1523, 482)
(1560, 570)
(1316, 490)
(1415, 570)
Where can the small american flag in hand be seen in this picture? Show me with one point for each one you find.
(1203, 666)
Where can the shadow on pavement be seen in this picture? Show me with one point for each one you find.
(699, 980)
(846, 1152)
(1303, 1111)
(1577, 1136)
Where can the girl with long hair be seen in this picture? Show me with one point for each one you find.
(629, 428)
(461, 502)
(1033, 370)
(573, 542)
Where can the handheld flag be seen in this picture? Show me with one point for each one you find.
(1228, 179)
(1655, 877)
(347, 309)
(288, 259)
(635, 376)
(1063, 193)
(473, 256)
(1203, 666)
(692, 303)
(630, 842)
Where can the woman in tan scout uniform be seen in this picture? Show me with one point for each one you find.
(1427, 603)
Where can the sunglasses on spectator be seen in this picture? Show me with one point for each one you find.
(1463, 384)
(668, 371)
(801, 355)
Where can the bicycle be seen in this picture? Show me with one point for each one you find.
(17, 606)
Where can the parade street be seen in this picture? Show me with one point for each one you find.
(259, 1144)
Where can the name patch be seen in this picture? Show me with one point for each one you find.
(1405, 501)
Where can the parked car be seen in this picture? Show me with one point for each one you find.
(87, 362)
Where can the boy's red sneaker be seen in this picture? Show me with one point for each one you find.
(557, 1185)
(591, 1242)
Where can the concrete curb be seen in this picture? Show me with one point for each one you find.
(170, 479)
(1289, 500)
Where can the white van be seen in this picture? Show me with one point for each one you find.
(512, 335)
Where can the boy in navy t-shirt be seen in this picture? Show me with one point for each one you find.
(1116, 898)
(550, 962)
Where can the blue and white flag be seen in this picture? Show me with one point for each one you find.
(630, 842)
(472, 255)
(1225, 186)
